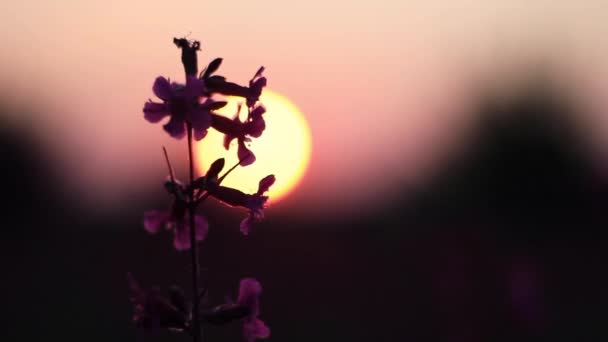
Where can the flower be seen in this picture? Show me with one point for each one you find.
(152, 311)
(254, 202)
(246, 309)
(176, 220)
(181, 103)
(218, 84)
(256, 84)
(253, 126)
(189, 58)
(249, 297)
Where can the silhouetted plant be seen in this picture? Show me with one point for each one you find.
(191, 110)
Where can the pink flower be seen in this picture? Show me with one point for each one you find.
(182, 104)
(176, 220)
(246, 309)
(254, 202)
(249, 297)
(152, 311)
(253, 126)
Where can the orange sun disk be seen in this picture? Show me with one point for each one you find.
(284, 148)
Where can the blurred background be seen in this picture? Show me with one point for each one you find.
(457, 188)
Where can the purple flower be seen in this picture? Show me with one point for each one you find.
(254, 202)
(249, 297)
(177, 221)
(242, 131)
(152, 311)
(246, 309)
(182, 104)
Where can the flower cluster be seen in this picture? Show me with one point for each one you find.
(175, 219)
(191, 112)
(193, 104)
(153, 311)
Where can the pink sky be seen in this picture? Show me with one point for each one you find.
(384, 85)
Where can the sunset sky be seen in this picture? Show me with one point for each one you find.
(457, 186)
(384, 85)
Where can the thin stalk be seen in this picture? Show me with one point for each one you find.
(196, 325)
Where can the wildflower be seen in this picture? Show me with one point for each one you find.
(253, 126)
(249, 297)
(256, 84)
(176, 219)
(246, 308)
(189, 58)
(181, 103)
(152, 311)
(218, 84)
(254, 202)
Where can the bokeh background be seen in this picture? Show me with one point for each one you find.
(457, 191)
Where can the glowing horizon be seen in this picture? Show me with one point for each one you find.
(370, 76)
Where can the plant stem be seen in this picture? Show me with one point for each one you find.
(196, 327)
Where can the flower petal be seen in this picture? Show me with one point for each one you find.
(249, 296)
(194, 87)
(227, 140)
(181, 237)
(249, 293)
(199, 134)
(258, 84)
(162, 88)
(255, 329)
(202, 227)
(201, 120)
(255, 203)
(257, 112)
(245, 155)
(176, 128)
(256, 127)
(246, 225)
(154, 112)
(266, 183)
(255, 88)
(154, 220)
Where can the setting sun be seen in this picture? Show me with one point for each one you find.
(283, 150)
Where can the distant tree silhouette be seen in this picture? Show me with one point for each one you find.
(30, 189)
(509, 234)
(526, 169)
